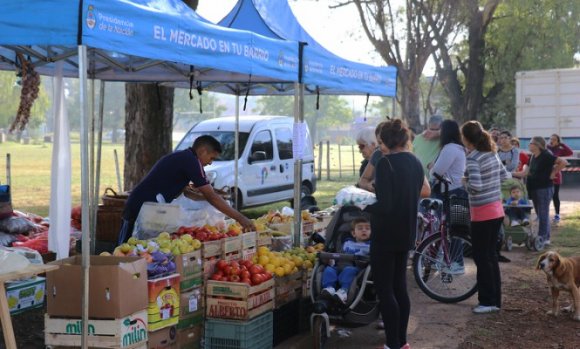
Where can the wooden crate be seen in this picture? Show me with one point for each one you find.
(264, 240)
(287, 288)
(232, 248)
(129, 332)
(108, 223)
(211, 249)
(238, 301)
(306, 283)
(249, 240)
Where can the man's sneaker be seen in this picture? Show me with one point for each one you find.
(327, 292)
(406, 346)
(485, 309)
(503, 259)
(454, 269)
(515, 223)
(547, 242)
(341, 295)
(556, 219)
(525, 222)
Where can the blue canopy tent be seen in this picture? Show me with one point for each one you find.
(132, 40)
(320, 71)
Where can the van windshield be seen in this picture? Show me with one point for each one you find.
(226, 139)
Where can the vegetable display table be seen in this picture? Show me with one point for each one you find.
(31, 270)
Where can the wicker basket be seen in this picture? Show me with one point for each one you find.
(108, 223)
(111, 198)
(194, 194)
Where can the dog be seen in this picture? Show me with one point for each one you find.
(563, 275)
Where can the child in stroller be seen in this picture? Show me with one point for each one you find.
(517, 207)
(342, 275)
(361, 304)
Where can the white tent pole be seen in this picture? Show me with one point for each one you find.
(85, 193)
(236, 149)
(92, 212)
(98, 164)
(298, 118)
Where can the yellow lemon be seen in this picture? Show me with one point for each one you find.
(287, 268)
(263, 250)
(270, 267)
(263, 260)
(280, 271)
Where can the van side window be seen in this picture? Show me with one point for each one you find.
(263, 143)
(284, 142)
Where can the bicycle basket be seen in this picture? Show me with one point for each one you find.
(459, 212)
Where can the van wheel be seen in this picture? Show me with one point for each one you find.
(240, 202)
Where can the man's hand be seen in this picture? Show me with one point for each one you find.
(247, 224)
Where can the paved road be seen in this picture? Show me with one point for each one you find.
(422, 306)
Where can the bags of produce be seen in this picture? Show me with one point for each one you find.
(16, 225)
(352, 195)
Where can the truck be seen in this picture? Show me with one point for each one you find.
(548, 102)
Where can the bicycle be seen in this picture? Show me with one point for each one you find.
(443, 263)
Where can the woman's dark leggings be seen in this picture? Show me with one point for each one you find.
(556, 198)
(484, 239)
(389, 276)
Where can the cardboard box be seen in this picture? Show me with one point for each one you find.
(191, 282)
(126, 332)
(117, 287)
(190, 303)
(238, 301)
(25, 294)
(190, 338)
(162, 339)
(163, 308)
(188, 264)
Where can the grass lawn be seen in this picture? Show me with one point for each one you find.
(567, 239)
(31, 175)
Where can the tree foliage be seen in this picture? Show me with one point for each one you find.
(333, 111)
(404, 39)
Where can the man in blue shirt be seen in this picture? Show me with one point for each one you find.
(171, 175)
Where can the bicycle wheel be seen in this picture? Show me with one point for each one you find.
(445, 270)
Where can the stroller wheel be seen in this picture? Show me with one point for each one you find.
(319, 332)
(538, 243)
(509, 243)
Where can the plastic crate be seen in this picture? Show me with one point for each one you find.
(227, 334)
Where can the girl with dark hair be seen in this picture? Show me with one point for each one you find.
(450, 162)
(399, 182)
(558, 149)
(484, 175)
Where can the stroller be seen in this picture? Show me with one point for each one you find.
(519, 233)
(361, 307)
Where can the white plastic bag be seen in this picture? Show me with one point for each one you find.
(352, 195)
(11, 262)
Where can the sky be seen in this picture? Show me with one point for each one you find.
(338, 30)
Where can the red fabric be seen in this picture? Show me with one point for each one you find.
(486, 212)
(524, 158)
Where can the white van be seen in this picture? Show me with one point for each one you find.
(266, 162)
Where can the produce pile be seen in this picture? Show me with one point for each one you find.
(287, 262)
(279, 224)
(240, 271)
(209, 232)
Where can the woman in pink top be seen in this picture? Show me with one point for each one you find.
(559, 150)
(484, 175)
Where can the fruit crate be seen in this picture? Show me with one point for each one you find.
(249, 240)
(306, 282)
(188, 264)
(237, 300)
(287, 288)
(264, 239)
(285, 323)
(128, 332)
(232, 248)
(226, 334)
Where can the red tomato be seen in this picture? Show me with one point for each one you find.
(256, 269)
(246, 281)
(227, 270)
(216, 277)
(234, 271)
(267, 275)
(257, 279)
(221, 264)
(235, 264)
(234, 278)
(245, 274)
(220, 273)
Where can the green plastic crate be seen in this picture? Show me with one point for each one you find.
(226, 334)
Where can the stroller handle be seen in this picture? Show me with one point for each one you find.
(343, 257)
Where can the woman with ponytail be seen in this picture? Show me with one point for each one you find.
(399, 182)
(483, 181)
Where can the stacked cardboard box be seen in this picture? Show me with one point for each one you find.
(117, 303)
(191, 303)
(25, 294)
(163, 304)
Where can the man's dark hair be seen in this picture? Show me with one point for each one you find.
(506, 132)
(208, 142)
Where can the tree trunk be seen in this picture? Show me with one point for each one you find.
(474, 81)
(148, 129)
(411, 100)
